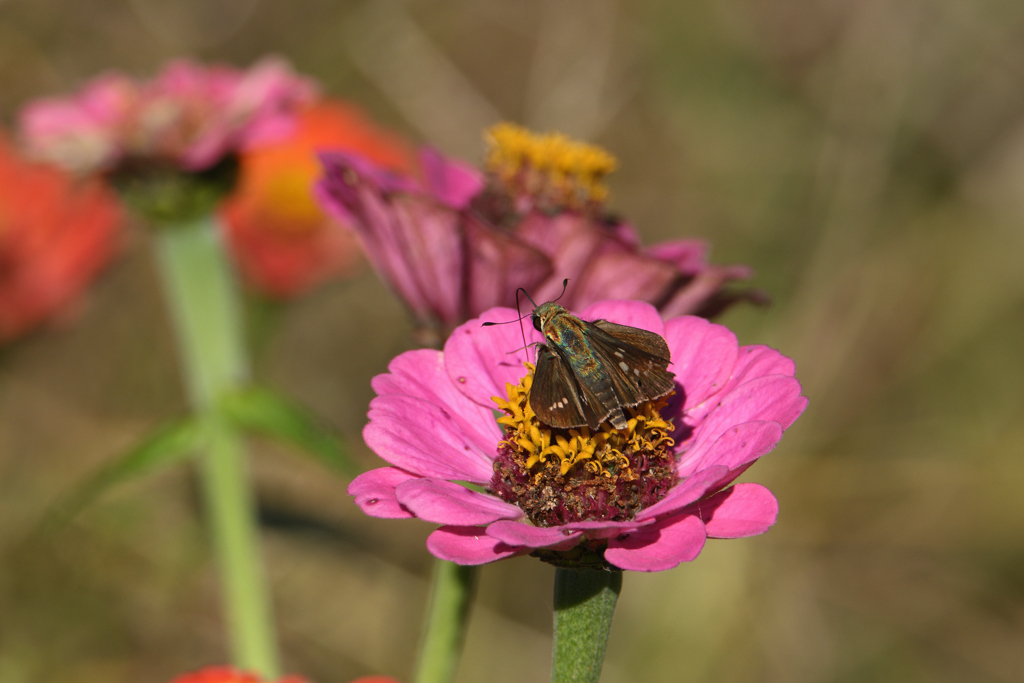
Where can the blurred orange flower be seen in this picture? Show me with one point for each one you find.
(56, 234)
(224, 674)
(283, 242)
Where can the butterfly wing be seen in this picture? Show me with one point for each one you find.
(649, 343)
(556, 395)
(636, 360)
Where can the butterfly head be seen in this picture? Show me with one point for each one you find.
(544, 314)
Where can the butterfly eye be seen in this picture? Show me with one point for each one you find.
(536, 323)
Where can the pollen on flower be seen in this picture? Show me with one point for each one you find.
(552, 168)
(566, 475)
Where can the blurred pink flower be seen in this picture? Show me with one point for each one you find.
(190, 116)
(461, 242)
(644, 499)
(225, 674)
(56, 235)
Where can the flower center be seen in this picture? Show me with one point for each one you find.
(552, 169)
(559, 476)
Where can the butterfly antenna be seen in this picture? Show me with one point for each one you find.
(522, 330)
(503, 322)
(522, 348)
(519, 319)
(565, 283)
(527, 295)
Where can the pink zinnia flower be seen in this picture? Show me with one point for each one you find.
(190, 116)
(461, 241)
(225, 674)
(644, 498)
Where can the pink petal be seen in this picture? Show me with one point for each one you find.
(658, 547)
(738, 446)
(67, 134)
(382, 233)
(180, 78)
(685, 492)
(426, 439)
(759, 361)
(267, 128)
(445, 502)
(270, 87)
(527, 535)
(695, 294)
(205, 152)
(422, 374)
(480, 360)
(743, 510)
(571, 241)
(623, 275)
(108, 97)
(689, 256)
(450, 181)
(703, 357)
(625, 233)
(633, 313)
(374, 492)
(428, 238)
(733, 475)
(497, 265)
(469, 545)
(337, 164)
(774, 399)
(46, 117)
(595, 530)
(412, 241)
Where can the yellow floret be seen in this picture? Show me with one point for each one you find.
(552, 165)
(600, 452)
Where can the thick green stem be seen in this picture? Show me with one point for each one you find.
(445, 628)
(203, 298)
(584, 604)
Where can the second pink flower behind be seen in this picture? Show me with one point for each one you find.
(461, 241)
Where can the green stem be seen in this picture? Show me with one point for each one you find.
(447, 616)
(584, 604)
(203, 298)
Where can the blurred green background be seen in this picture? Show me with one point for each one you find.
(866, 157)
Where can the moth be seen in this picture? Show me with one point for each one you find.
(587, 372)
